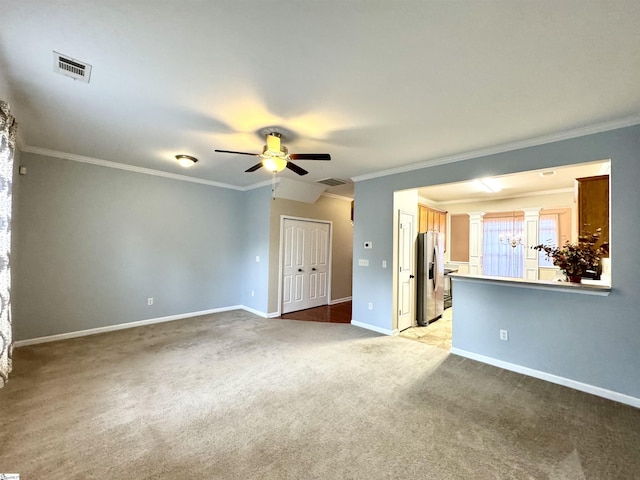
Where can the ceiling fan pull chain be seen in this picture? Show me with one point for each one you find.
(273, 185)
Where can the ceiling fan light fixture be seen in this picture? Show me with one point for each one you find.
(273, 143)
(275, 157)
(274, 164)
(186, 161)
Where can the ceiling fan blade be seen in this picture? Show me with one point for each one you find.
(254, 168)
(310, 156)
(238, 153)
(295, 168)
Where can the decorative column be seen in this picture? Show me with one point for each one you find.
(476, 233)
(530, 234)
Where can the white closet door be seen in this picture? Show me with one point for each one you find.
(305, 265)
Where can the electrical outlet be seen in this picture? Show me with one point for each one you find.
(370, 306)
(384, 264)
(257, 258)
(150, 301)
(253, 293)
(504, 335)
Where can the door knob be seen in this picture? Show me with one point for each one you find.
(412, 276)
(299, 269)
(314, 269)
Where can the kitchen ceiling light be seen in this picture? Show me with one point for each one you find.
(491, 185)
(186, 161)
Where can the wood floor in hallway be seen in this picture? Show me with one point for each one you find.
(338, 313)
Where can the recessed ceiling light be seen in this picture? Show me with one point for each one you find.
(186, 161)
(491, 185)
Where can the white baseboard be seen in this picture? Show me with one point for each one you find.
(339, 300)
(254, 311)
(374, 328)
(121, 326)
(567, 382)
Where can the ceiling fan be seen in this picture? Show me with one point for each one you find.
(276, 157)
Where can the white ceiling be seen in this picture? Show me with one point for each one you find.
(535, 182)
(378, 84)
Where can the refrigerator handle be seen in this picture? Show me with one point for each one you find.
(435, 269)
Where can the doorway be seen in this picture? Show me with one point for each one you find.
(437, 333)
(405, 212)
(305, 263)
(406, 269)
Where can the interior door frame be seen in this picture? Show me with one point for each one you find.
(281, 255)
(405, 201)
(412, 273)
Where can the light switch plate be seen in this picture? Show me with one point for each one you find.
(362, 262)
(368, 245)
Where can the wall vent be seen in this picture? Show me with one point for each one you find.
(332, 182)
(71, 67)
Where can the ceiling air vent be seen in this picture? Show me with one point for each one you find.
(332, 182)
(71, 67)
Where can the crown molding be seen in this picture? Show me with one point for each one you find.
(504, 197)
(123, 166)
(507, 147)
(131, 168)
(428, 201)
(264, 183)
(575, 133)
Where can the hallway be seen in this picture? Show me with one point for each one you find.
(437, 334)
(338, 313)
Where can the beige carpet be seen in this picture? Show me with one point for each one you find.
(234, 396)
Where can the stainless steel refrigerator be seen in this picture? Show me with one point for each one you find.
(430, 277)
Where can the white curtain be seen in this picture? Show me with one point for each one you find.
(7, 146)
(498, 258)
(548, 230)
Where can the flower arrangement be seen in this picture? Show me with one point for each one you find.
(575, 259)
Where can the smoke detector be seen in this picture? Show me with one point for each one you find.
(71, 67)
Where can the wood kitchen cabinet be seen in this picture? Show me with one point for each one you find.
(432, 219)
(592, 196)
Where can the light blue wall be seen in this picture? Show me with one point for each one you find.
(597, 339)
(373, 207)
(93, 243)
(569, 335)
(255, 275)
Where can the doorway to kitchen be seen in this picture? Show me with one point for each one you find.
(437, 334)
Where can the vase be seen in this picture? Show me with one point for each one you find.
(574, 278)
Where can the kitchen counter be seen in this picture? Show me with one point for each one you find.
(448, 289)
(587, 288)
